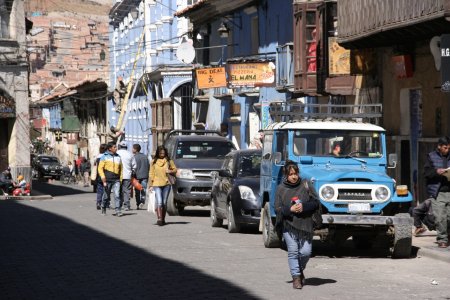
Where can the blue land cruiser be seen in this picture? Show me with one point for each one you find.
(358, 198)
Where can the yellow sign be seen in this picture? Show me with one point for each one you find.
(211, 78)
(338, 58)
(251, 74)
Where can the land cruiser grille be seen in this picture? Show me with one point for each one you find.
(354, 194)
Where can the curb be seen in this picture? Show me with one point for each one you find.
(40, 197)
(437, 254)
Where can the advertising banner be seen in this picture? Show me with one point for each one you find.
(445, 62)
(7, 107)
(338, 59)
(211, 78)
(251, 74)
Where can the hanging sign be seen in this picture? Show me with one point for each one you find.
(338, 58)
(445, 62)
(211, 78)
(7, 107)
(251, 74)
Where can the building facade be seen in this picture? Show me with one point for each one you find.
(14, 111)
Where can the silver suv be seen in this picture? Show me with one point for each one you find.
(196, 154)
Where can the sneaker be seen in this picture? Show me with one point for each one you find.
(103, 211)
(98, 207)
(419, 230)
(141, 206)
(119, 214)
(127, 209)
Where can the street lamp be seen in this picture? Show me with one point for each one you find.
(223, 30)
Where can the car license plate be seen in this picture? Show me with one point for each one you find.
(359, 207)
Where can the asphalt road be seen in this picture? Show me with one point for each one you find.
(64, 248)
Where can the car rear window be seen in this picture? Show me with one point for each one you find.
(250, 165)
(203, 149)
(49, 159)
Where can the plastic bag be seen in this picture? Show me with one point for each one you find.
(151, 201)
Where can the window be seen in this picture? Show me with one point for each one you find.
(250, 165)
(353, 142)
(306, 40)
(5, 12)
(202, 149)
(281, 142)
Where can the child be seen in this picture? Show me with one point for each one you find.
(22, 183)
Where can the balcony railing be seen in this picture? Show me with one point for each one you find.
(222, 93)
(285, 67)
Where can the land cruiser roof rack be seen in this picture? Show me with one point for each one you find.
(189, 132)
(296, 111)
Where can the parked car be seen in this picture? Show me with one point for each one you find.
(46, 166)
(196, 154)
(235, 193)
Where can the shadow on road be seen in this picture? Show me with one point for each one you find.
(347, 249)
(45, 256)
(57, 188)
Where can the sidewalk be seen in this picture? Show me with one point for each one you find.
(427, 247)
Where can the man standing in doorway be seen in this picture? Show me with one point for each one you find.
(142, 171)
(438, 188)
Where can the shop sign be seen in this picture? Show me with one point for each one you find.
(251, 74)
(445, 62)
(7, 107)
(338, 58)
(211, 78)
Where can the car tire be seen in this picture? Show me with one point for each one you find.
(233, 226)
(215, 221)
(270, 236)
(172, 208)
(402, 243)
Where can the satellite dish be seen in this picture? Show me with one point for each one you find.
(186, 52)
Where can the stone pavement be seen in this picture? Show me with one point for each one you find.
(63, 248)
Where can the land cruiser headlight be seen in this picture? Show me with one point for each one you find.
(246, 193)
(185, 173)
(327, 192)
(381, 193)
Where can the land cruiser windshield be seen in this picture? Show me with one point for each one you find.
(203, 149)
(338, 143)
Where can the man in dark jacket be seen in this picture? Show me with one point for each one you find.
(141, 174)
(438, 188)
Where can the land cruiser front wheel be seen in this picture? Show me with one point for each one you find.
(402, 239)
(270, 236)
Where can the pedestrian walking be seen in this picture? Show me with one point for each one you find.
(110, 169)
(85, 169)
(295, 203)
(128, 167)
(438, 188)
(141, 174)
(159, 182)
(423, 217)
(98, 180)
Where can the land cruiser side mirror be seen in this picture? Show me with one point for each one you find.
(392, 163)
(224, 173)
(277, 158)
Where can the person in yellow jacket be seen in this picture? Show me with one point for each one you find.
(161, 166)
(110, 170)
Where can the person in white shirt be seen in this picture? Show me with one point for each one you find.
(128, 167)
